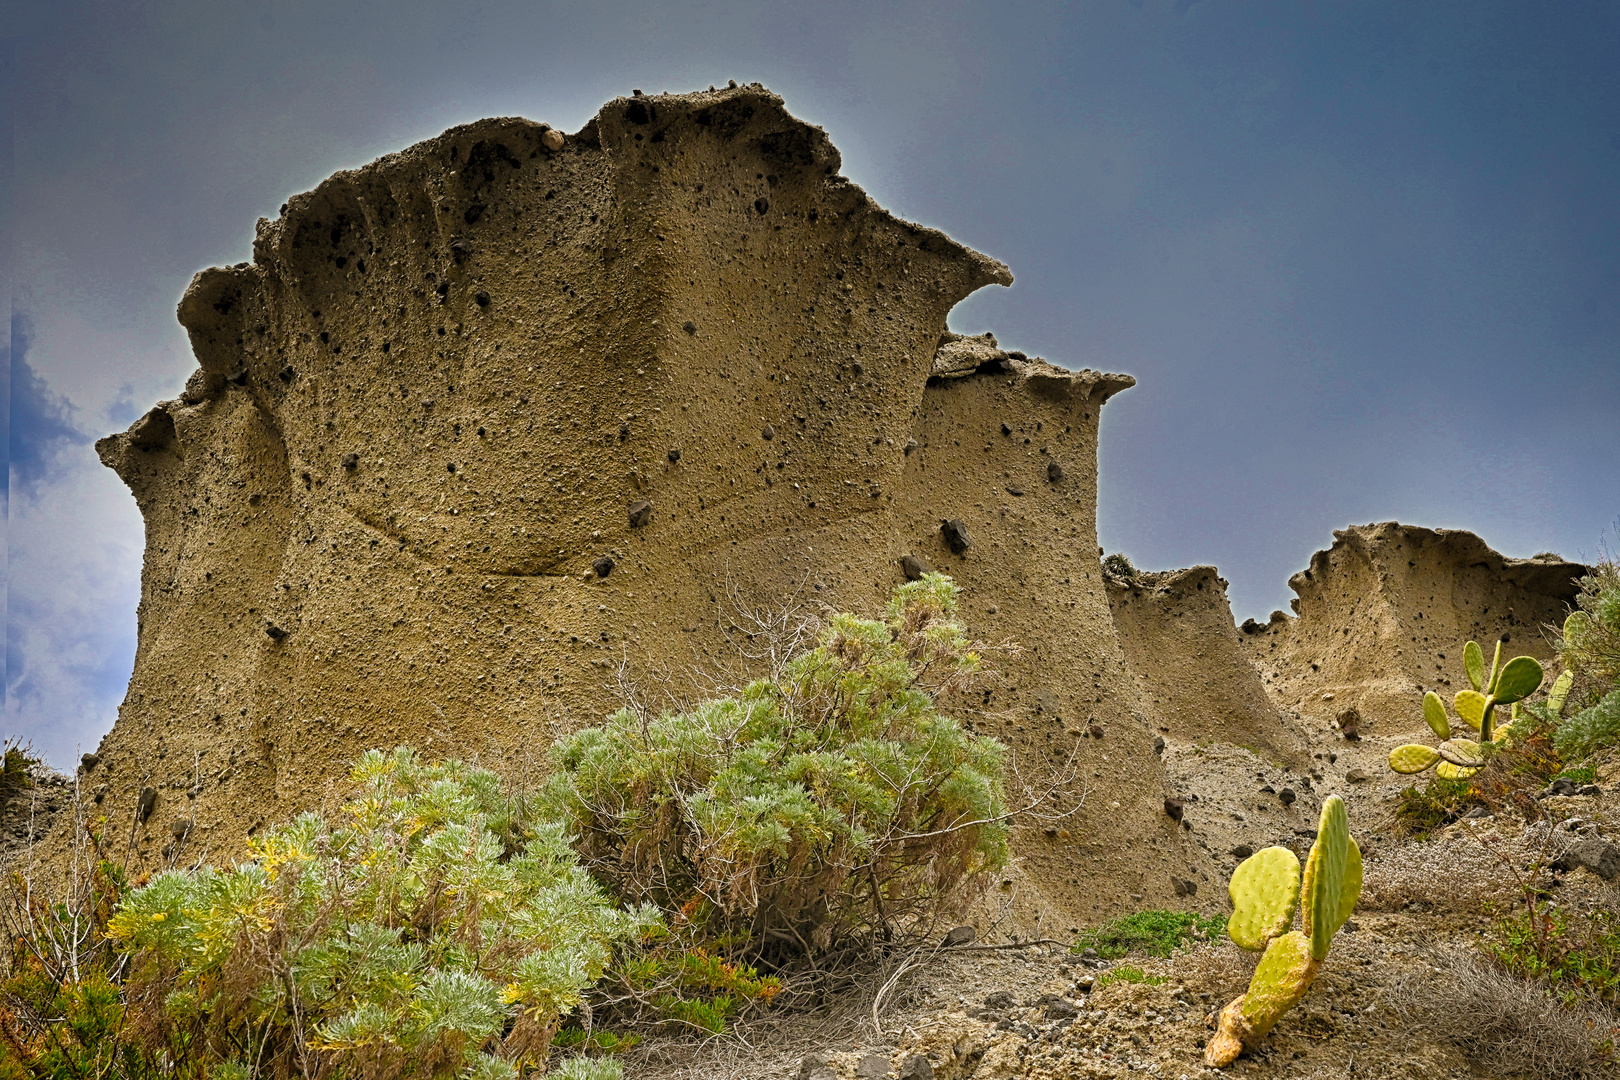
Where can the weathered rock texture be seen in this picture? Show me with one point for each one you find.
(486, 417)
(1384, 613)
(1179, 640)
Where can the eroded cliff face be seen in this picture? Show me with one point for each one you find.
(1383, 615)
(1181, 644)
(492, 416)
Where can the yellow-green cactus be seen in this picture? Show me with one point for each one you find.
(1500, 684)
(1265, 890)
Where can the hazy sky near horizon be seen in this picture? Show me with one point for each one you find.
(1364, 259)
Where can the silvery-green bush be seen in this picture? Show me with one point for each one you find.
(432, 927)
(830, 802)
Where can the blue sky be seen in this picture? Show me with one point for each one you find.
(1363, 258)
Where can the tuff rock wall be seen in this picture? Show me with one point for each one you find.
(1382, 616)
(487, 418)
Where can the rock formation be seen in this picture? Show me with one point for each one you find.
(1180, 641)
(489, 417)
(1384, 613)
(489, 420)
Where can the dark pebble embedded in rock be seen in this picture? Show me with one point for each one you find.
(274, 632)
(640, 513)
(603, 566)
(179, 828)
(1242, 851)
(1005, 430)
(916, 1067)
(1060, 1009)
(689, 326)
(1014, 490)
(767, 433)
(1054, 472)
(911, 444)
(873, 1067)
(481, 298)
(1158, 745)
(351, 461)
(913, 567)
(146, 803)
(1286, 796)
(1000, 999)
(1599, 856)
(1095, 731)
(1175, 808)
(674, 456)
(956, 535)
(88, 761)
(1184, 886)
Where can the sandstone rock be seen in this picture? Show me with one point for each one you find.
(959, 355)
(415, 602)
(1176, 629)
(1384, 613)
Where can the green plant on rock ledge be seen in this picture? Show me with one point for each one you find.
(1266, 889)
(1503, 684)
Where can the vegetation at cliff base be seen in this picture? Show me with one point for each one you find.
(828, 803)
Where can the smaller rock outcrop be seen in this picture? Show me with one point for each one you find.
(1383, 614)
(1177, 633)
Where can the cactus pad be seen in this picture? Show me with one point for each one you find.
(1559, 691)
(1434, 714)
(1470, 705)
(1447, 771)
(1324, 877)
(1412, 758)
(1351, 891)
(1474, 664)
(1519, 679)
(1463, 753)
(1284, 974)
(1265, 891)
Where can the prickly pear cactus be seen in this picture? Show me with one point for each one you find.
(1265, 889)
(1500, 684)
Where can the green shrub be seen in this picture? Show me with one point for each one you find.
(1591, 639)
(14, 763)
(819, 807)
(1576, 954)
(1590, 730)
(435, 928)
(1150, 933)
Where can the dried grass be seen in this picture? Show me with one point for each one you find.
(1218, 969)
(1505, 1025)
(1462, 874)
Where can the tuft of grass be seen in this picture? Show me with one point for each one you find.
(1439, 804)
(1118, 565)
(1150, 933)
(1127, 973)
(1513, 1026)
